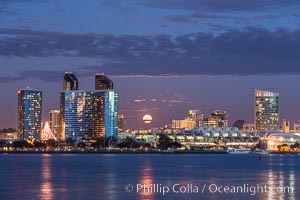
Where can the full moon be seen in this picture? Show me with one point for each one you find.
(147, 119)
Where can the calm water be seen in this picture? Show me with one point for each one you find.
(106, 176)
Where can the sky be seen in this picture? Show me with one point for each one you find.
(164, 56)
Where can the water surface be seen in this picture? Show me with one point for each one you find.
(72, 176)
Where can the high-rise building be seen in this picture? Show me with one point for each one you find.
(121, 122)
(110, 108)
(102, 82)
(70, 81)
(194, 119)
(217, 119)
(297, 126)
(54, 123)
(285, 126)
(196, 116)
(77, 114)
(93, 114)
(266, 111)
(29, 113)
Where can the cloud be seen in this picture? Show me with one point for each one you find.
(44, 75)
(19, 1)
(199, 17)
(5, 8)
(157, 76)
(139, 100)
(196, 17)
(228, 5)
(266, 16)
(250, 51)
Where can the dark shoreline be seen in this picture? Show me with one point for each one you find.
(129, 152)
(112, 152)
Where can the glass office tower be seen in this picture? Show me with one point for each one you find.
(266, 111)
(29, 113)
(77, 111)
(92, 114)
(109, 112)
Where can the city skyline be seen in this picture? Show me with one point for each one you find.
(137, 99)
(164, 57)
(149, 111)
(172, 117)
(259, 94)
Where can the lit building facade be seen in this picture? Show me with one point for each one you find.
(70, 81)
(276, 139)
(111, 107)
(285, 126)
(54, 123)
(184, 123)
(29, 113)
(9, 136)
(194, 119)
(196, 116)
(217, 119)
(93, 114)
(102, 82)
(121, 122)
(210, 122)
(297, 126)
(266, 111)
(77, 114)
(248, 127)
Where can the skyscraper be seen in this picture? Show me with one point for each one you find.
(217, 119)
(109, 109)
(197, 116)
(266, 111)
(54, 123)
(70, 81)
(285, 126)
(93, 114)
(29, 113)
(77, 114)
(121, 122)
(102, 82)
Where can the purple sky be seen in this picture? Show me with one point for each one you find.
(165, 56)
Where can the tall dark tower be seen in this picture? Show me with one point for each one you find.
(29, 113)
(102, 82)
(266, 111)
(70, 81)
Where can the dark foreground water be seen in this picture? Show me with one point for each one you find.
(177, 176)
